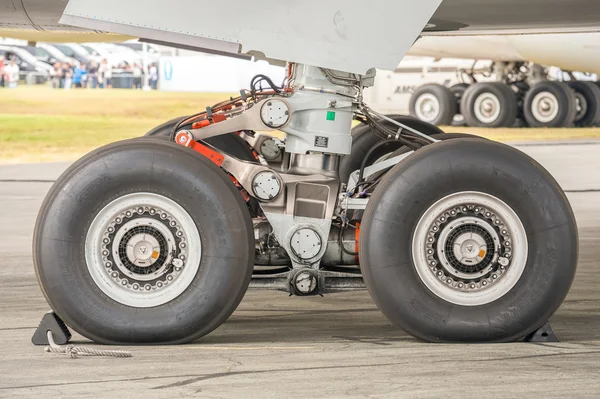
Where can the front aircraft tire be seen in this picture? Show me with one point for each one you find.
(468, 241)
(144, 242)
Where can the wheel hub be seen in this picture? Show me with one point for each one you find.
(463, 246)
(141, 249)
(427, 107)
(545, 107)
(487, 108)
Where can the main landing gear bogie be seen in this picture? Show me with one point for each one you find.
(155, 241)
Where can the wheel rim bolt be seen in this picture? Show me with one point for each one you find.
(488, 214)
(118, 220)
(472, 285)
(128, 213)
(108, 264)
(435, 228)
(494, 276)
(504, 232)
(106, 240)
(115, 275)
(148, 287)
(140, 210)
(484, 282)
(136, 287)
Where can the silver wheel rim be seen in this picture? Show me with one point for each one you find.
(545, 107)
(143, 250)
(486, 108)
(469, 248)
(427, 107)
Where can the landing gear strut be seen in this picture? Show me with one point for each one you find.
(155, 241)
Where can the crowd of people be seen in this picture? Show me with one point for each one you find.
(67, 75)
(9, 73)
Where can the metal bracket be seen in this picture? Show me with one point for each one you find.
(543, 334)
(51, 322)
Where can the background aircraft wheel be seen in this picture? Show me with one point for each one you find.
(433, 103)
(550, 104)
(143, 241)
(363, 139)
(489, 105)
(468, 240)
(230, 143)
(458, 90)
(587, 96)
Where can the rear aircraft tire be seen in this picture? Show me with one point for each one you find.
(489, 105)
(433, 103)
(230, 143)
(481, 212)
(587, 95)
(363, 139)
(550, 104)
(143, 241)
(458, 90)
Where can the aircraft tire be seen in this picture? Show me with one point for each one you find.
(143, 242)
(468, 240)
(490, 104)
(550, 104)
(588, 103)
(433, 103)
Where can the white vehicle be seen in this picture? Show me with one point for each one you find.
(26, 61)
(516, 83)
(115, 55)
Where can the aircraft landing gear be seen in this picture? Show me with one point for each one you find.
(155, 241)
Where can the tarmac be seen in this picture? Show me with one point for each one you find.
(338, 346)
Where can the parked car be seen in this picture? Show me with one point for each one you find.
(27, 62)
(56, 53)
(72, 50)
(41, 54)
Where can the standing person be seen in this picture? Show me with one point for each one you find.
(108, 75)
(55, 74)
(12, 74)
(105, 74)
(69, 67)
(153, 76)
(92, 75)
(79, 75)
(137, 76)
(2, 71)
